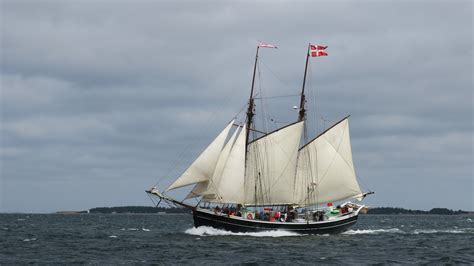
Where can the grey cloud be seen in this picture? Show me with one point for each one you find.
(103, 98)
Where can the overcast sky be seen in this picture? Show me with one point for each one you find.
(102, 99)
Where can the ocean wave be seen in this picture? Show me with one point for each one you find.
(209, 231)
(415, 232)
(433, 231)
(372, 231)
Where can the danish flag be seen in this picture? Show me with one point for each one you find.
(317, 50)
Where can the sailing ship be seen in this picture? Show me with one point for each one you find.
(247, 180)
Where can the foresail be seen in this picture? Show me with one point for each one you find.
(215, 180)
(271, 166)
(325, 171)
(203, 167)
(231, 186)
(198, 189)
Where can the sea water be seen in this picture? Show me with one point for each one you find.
(172, 239)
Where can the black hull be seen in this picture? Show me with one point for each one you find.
(202, 218)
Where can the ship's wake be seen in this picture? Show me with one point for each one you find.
(209, 231)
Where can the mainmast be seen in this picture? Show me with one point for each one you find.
(302, 112)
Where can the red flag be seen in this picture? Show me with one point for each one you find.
(317, 50)
(318, 47)
(315, 53)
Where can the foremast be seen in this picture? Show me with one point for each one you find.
(302, 110)
(250, 112)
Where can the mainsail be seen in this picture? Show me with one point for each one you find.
(203, 167)
(271, 166)
(325, 171)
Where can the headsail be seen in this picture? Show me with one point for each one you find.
(203, 167)
(231, 186)
(325, 171)
(198, 189)
(209, 188)
(215, 180)
(271, 166)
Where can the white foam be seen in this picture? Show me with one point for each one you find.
(29, 239)
(112, 236)
(209, 231)
(146, 230)
(432, 231)
(372, 231)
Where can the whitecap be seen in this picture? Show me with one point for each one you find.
(372, 231)
(112, 236)
(29, 239)
(210, 231)
(432, 231)
(146, 230)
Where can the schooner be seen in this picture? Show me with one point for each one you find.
(276, 181)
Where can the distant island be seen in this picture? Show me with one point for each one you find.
(139, 209)
(163, 210)
(435, 211)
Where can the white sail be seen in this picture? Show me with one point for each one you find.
(271, 166)
(217, 175)
(203, 167)
(325, 170)
(209, 188)
(231, 186)
(198, 189)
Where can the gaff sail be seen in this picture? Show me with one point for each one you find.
(325, 171)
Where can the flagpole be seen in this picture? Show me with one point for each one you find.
(302, 112)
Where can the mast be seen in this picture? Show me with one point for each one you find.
(250, 112)
(302, 112)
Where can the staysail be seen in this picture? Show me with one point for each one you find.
(271, 166)
(203, 167)
(325, 171)
(230, 188)
(209, 188)
(198, 189)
